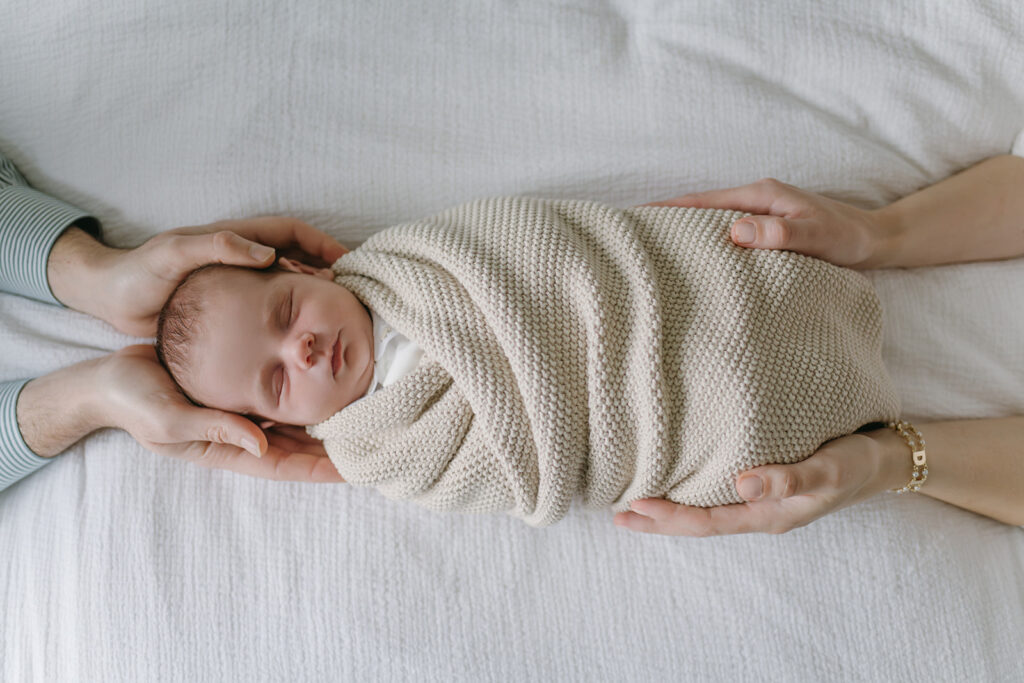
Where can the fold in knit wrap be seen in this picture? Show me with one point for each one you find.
(573, 348)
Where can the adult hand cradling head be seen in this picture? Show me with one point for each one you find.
(132, 285)
(128, 289)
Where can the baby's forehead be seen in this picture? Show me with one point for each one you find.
(230, 289)
(238, 273)
(232, 279)
(230, 295)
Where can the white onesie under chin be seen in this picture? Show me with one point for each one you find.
(394, 355)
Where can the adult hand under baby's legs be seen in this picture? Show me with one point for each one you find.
(801, 221)
(842, 472)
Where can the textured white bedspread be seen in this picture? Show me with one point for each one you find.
(116, 564)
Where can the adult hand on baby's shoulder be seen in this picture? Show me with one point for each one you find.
(786, 217)
(137, 395)
(135, 283)
(842, 472)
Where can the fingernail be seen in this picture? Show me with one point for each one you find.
(745, 232)
(250, 445)
(633, 508)
(260, 252)
(750, 488)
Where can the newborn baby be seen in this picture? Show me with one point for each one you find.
(542, 351)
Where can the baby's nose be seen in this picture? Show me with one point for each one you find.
(306, 349)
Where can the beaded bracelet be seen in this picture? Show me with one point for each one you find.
(917, 453)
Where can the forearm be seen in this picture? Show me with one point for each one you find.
(973, 464)
(976, 215)
(58, 409)
(76, 269)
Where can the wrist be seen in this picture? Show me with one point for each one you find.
(893, 463)
(78, 270)
(56, 410)
(887, 233)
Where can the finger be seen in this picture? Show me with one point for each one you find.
(296, 445)
(289, 236)
(296, 434)
(659, 516)
(293, 431)
(767, 516)
(282, 232)
(184, 253)
(310, 240)
(675, 519)
(190, 423)
(766, 196)
(636, 522)
(277, 465)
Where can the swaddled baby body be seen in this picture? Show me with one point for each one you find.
(542, 351)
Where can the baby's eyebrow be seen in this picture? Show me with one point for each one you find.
(274, 311)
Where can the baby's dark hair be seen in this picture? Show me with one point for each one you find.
(179, 321)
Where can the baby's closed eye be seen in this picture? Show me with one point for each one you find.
(278, 382)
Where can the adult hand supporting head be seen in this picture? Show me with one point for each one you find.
(135, 393)
(128, 287)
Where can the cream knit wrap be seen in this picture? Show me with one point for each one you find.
(571, 347)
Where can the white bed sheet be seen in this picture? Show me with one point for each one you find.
(120, 565)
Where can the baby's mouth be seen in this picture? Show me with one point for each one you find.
(336, 355)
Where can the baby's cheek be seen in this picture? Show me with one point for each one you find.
(317, 408)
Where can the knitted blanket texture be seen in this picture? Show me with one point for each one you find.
(577, 350)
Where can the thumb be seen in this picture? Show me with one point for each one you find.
(772, 232)
(780, 481)
(218, 426)
(192, 251)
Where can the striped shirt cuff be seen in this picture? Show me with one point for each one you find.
(30, 222)
(17, 460)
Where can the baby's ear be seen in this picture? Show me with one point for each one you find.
(297, 267)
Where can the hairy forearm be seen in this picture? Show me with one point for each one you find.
(975, 215)
(977, 465)
(75, 270)
(56, 410)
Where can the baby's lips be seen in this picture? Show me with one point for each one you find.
(336, 356)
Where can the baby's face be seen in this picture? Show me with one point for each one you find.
(289, 347)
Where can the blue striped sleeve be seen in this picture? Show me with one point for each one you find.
(16, 459)
(30, 222)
